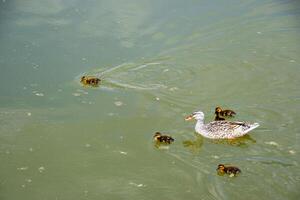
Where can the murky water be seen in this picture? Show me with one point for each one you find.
(159, 61)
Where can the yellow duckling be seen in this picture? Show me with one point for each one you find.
(220, 114)
(158, 137)
(230, 170)
(90, 80)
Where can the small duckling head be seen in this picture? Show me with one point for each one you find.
(218, 110)
(199, 115)
(157, 135)
(221, 168)
(82, 78)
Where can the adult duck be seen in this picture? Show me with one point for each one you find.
(220, 129)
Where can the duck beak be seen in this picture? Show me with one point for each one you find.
(188, 118)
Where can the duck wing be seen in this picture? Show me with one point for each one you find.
(229, 129)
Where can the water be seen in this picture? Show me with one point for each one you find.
(159, 61)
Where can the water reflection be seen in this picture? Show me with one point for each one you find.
(194, 145)
(239, 142)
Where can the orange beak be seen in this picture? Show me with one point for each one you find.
(188, 118)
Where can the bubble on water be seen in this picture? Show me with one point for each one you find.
(292, 152)
(258, 32)
(272, 143)
(22, 168)
(123, 152)
(157, 99)
(75, 94)
(39, 94)
(215, 157)
(292, 61)
(29, 114)
(118, 103)
(87, 145)
(29, 180)
(41, 169)
(136, 184)
(173, 89)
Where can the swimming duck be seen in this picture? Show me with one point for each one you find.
(230, 170)
(220, 129)
(158, 137)
(224, 113)
(90, 80)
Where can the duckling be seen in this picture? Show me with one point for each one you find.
(230, 170)
(224, 113)
(218, 118)
(158, 137)
(90, 80)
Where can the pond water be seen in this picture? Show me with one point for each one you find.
(159, 61)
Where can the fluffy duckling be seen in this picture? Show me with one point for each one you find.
(90, 80)
(230, 170)
(220, 114)
(158, 137)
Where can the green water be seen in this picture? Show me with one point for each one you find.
(159, 61)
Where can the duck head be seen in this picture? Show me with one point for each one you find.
(199, 115)
(157, 135)
(218, 110)
(221, 168)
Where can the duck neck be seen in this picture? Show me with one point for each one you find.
(199, 124)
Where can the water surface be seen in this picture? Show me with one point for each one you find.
(159, 61)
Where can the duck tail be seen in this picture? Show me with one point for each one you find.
(251, 127)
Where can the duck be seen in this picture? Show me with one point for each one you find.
(158, 137)
(230, 170)
(220, 129)
(90, 80)
(224, 113)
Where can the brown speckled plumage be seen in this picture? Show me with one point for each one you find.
(230, 170)
(163, 138)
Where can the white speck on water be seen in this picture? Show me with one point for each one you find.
(29, 180)
(23, 185)
(272, 143)
(258, 32)
(59, 90)
(83, 59)
(157, 98)
(173, 89)
(231, 175)
(75, 94)
(22, 168)
(24, 88)
(87, 145)
(118, 103)
(41, 169)
(137, 185)
(216, 157)
(29, 114)
(166, 70)
(253, 51)
(111, 114)
(292, 152)
(39, 94)
(292, 61)
(31, 149)
(123, 152)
